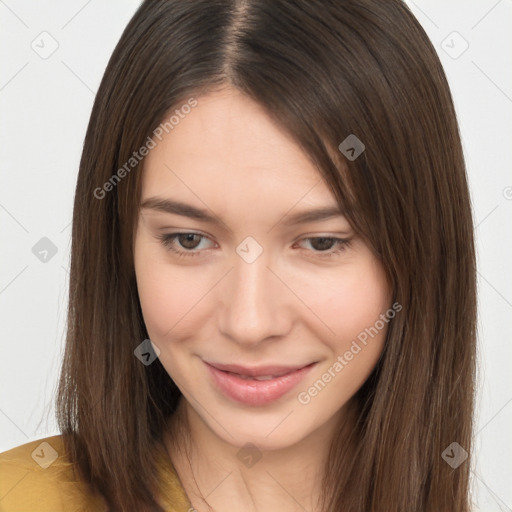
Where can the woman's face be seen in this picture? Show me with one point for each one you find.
(268, 317)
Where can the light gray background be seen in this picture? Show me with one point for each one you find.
(44, 111)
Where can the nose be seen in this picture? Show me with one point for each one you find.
(255, 305)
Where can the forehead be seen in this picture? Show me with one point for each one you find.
(228, 145)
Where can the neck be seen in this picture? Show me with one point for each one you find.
(218, 476)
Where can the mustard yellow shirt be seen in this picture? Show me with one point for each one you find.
(38, 477)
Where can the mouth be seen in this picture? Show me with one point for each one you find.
(256, 386)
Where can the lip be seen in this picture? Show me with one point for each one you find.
(228, 379)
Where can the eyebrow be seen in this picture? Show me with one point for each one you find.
(187, 210)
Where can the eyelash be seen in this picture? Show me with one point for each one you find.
(167, 241)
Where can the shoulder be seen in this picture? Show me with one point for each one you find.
(39, 476)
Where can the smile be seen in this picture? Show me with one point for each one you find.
(256, 386)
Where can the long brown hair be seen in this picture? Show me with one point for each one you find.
(323, 69)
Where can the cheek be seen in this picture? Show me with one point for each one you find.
(167, 301)
(364, 298)
(166, 295)
(168, 306)
(352, 307)
(349, 301)
(360, 330)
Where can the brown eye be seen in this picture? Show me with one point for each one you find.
(186, 244)
(189, 240)
(323, 243)
(325, 246)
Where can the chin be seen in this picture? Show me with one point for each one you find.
(276, 430)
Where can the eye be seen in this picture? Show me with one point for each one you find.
(326, 246)
(192, 244)
(184, 244)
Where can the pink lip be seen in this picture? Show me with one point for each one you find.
(256, 392)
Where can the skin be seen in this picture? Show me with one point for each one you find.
(293, 305)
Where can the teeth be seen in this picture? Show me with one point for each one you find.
(249, 377)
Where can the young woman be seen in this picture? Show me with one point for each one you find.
(272, 292)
